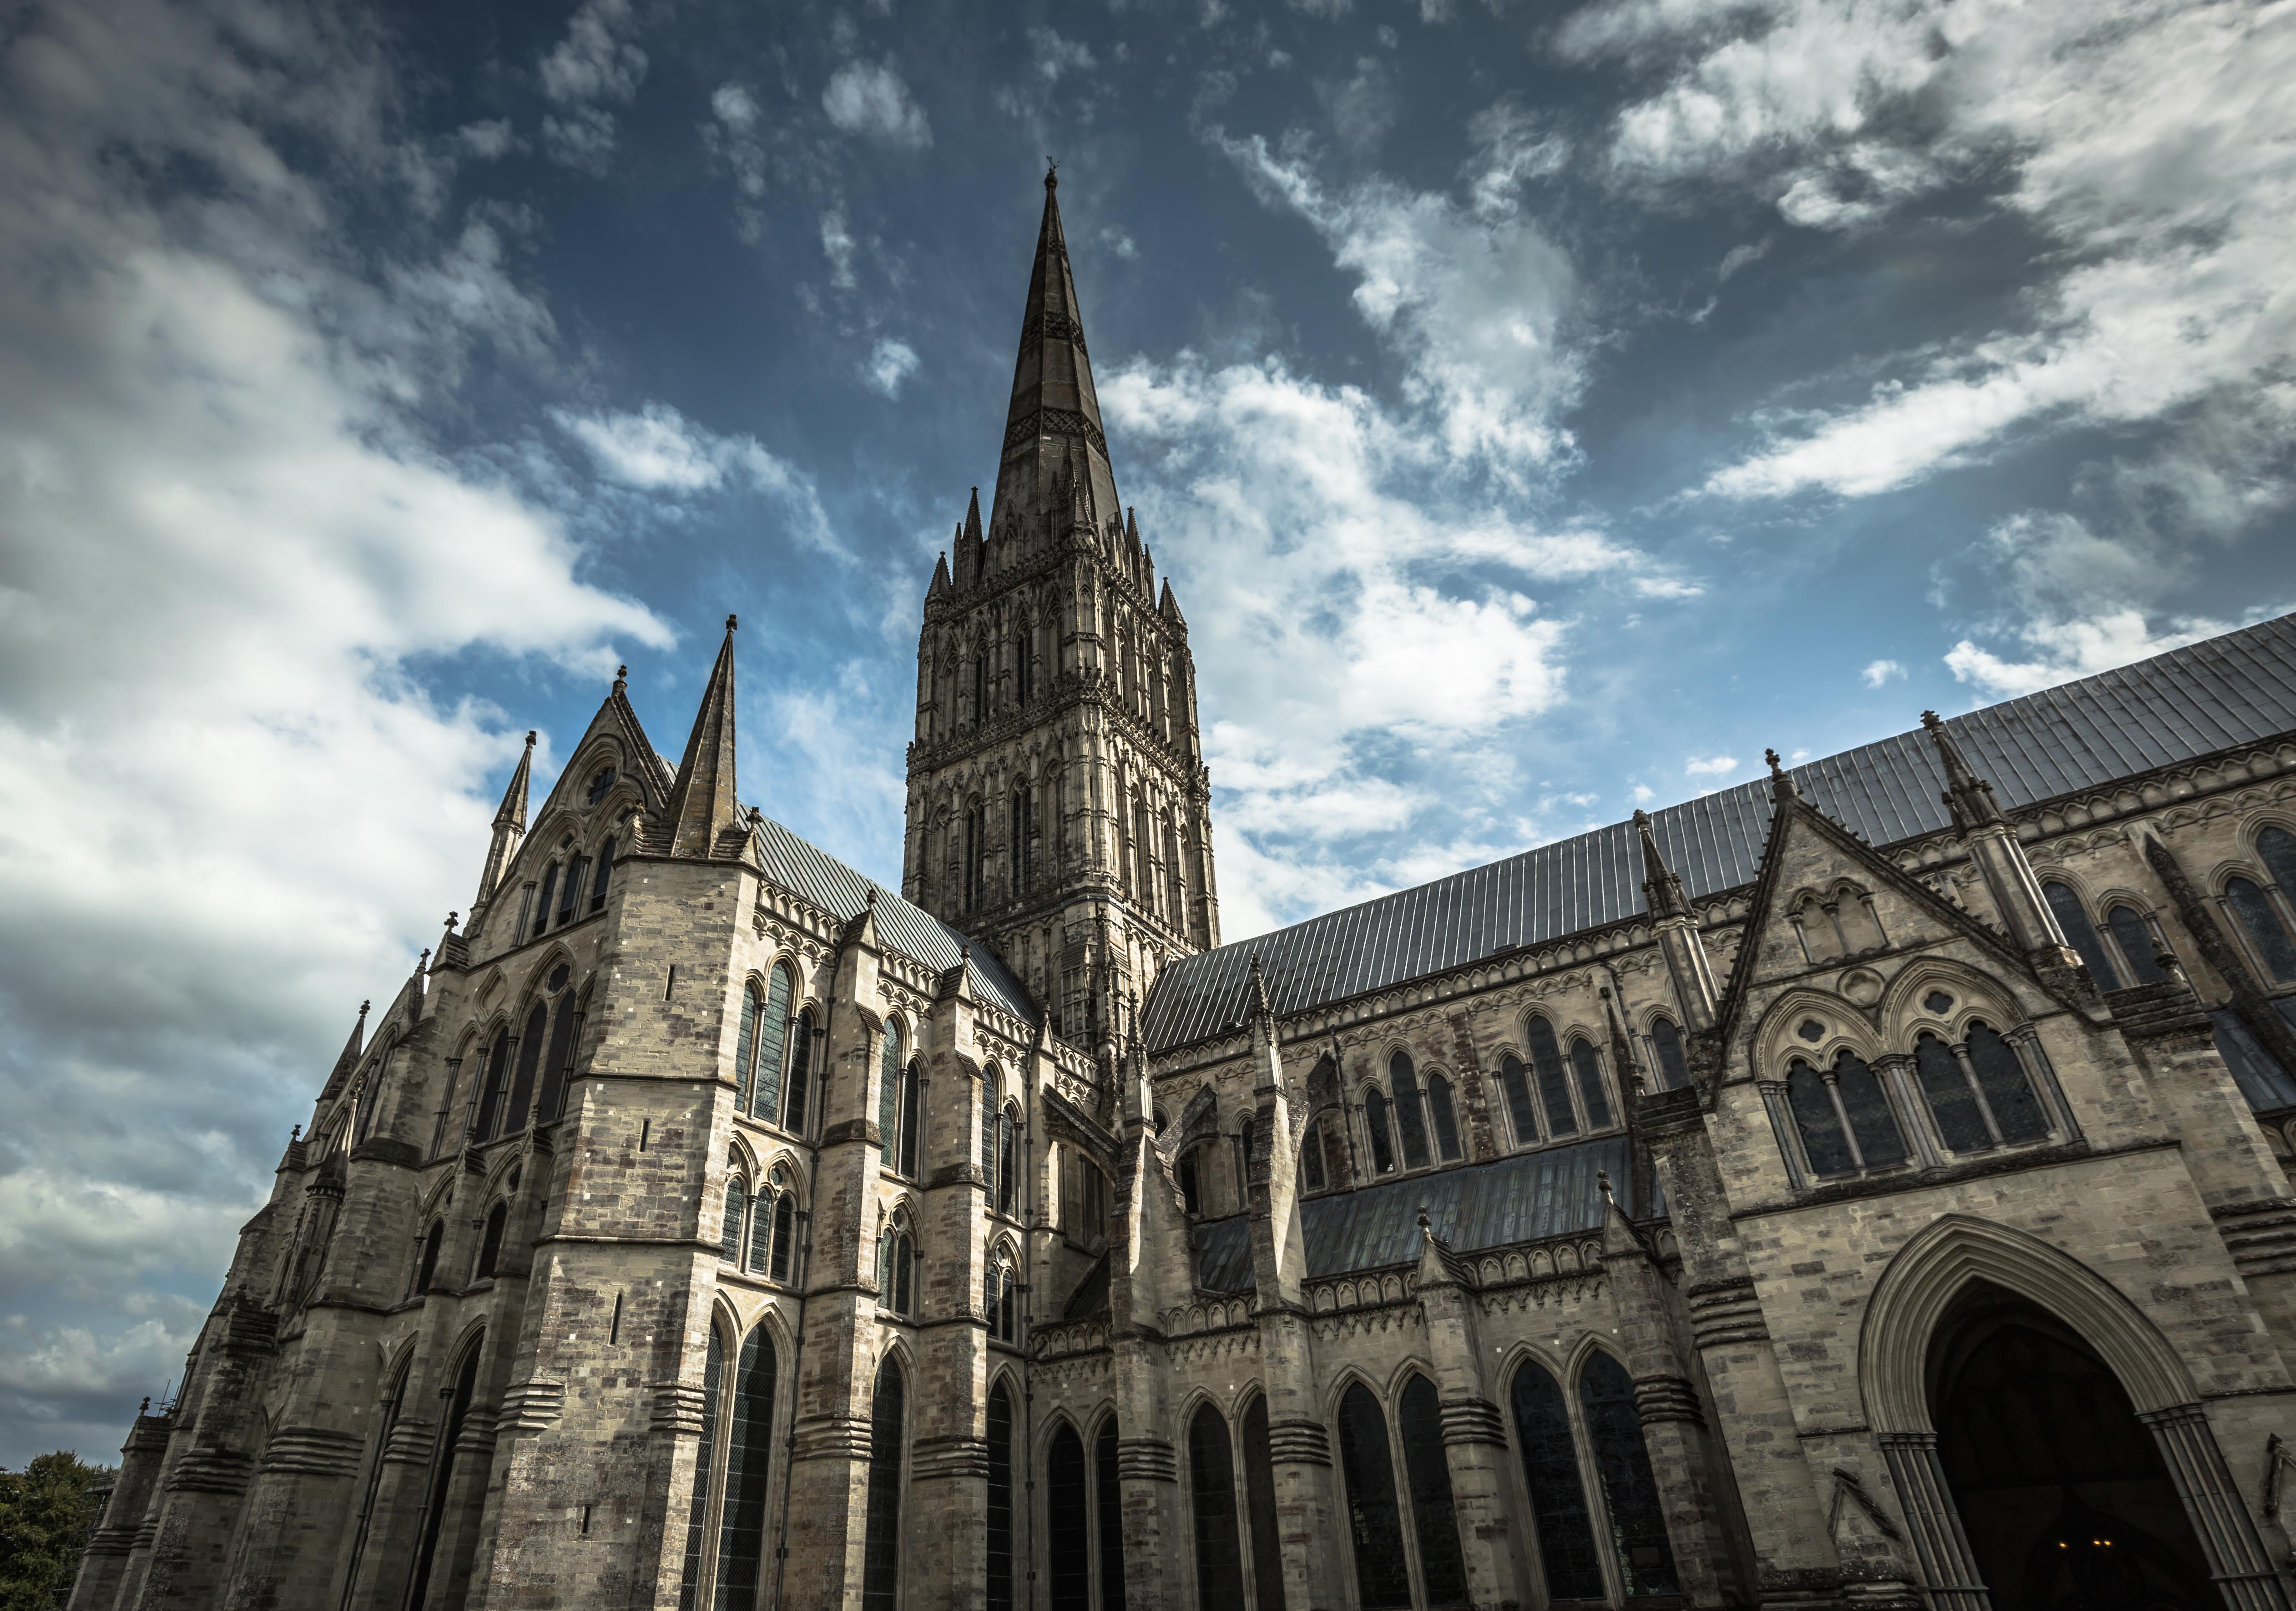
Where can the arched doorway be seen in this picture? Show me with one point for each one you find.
(2061, 1491)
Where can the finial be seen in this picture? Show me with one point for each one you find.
(295, 1135)
(1603, 1179)
(621, 678)
(964, 953)
(1052, 174)
(452, 918)
(730, 623)
(530, 737)
(1771, 756)
(1642, 817)
(1930, 720)
(145, 1408)
(1425, 1228)
(420, 960)
(362, 1007)
(872, 897)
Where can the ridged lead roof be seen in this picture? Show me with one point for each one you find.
(916, 934)
(2193, 701)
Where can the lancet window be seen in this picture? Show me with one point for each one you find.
(2139, 944)
(1001, 1297)
(1211, 1493)
(999, 1586)
(1383, 1575)
(2268, 934)
(1067, 1520)
(896, 1267)
(1844, 1118)
(881, 1549)
(1673, 1066)
(490, 1241)
(598, 888)
(2080, 934)
(1567, 1550)
(1383, 1148)
(726, 1531)
(737, 1216)
(764, 1054)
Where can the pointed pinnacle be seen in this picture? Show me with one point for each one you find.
(1661, 888)
(1968, 796)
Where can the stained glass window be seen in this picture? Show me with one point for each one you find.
(1959, 1123)
(1419, 1419)
(800, 1066)
(1558, 1500)
(737, 1211)
(1211, 1493)
(1410, 1120)
(2276, 846)
(705, 1461)
(1107, 1499)
(1879, 1140)
(911, 1121)
(1068, 1547)
(1822, 1141)
(881, 1550)
(888, 1092)
(2134, 936)
(1372, 1519)
(784, 1235)
(1554, 1084)
(1259, 1492)
(773, 1039)
(2001, 1075)
(2249, 905)
(1000, 1498)
(1614, 1428)
(1514, 1084)
(748, 1462)
(1673, 1068)
(498, 1077)
(1444, 1117)
(1382, 1151)
(2081, 934)
(1592, 1095)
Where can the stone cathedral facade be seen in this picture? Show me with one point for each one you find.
(1866, 1187)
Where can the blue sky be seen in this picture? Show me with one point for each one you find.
(1539, 409)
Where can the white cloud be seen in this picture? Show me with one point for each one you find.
(838, 245)
(2062, 650)
(658, 449)
(1056, 57)
(733, 136)
(1472, 298)
(2147, 141)
(487, 139)
(1117, 241)
(869, 98)
(1643, 794)
(1710, 767)
(1879, 672)
(217, 396)
(595, 66)
(890, 363)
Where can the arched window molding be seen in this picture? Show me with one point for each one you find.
(1001, 1296)
(896, 1267)
(1665, 1045)
(2137, 937)
(1644, 1556)
(598, 888)
(2260, 924)
(1515, 1086)
(773, 1039)
(737, 1217)
(2072, 918)
(1842, 1117)
(1552, 1083)
(1266, 1531)
(1434, 1516)
(797, 1094)
(1443, 1118)
(1594, 1093)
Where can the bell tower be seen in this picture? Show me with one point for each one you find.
(1059, 808)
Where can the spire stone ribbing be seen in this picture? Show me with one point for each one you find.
(1053, 404)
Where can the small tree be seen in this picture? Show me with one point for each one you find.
(47, 1512)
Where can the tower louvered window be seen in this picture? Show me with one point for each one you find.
(1410, 1117)
(749, 1466)
(1434, 1517)
(881, 1553)
(1550, 1472)
(1068, 1544)
(1553, 1084)
(1374, 1522)
(1211, 1493)
(999, 1595)
(1630, 1490)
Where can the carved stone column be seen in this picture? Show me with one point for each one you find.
(2242, 1573)
(1940, 1544)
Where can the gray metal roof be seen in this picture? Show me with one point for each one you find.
(1526, 1196)
(2190, 702)
(827, 882)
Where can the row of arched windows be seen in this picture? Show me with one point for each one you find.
(2124, 950)
(510, 1068)
(565, 883)
(899, 1108)
(1967, 1098)
(760, 1232)
(772, 1055)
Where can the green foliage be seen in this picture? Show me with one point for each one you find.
(47, 1512)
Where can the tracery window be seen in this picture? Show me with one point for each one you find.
(1553, 1084)
(881, 1549)
(2140, 948)
(1000, 1498)
(1637, 1521)
(1845, 1121)
(600, 781)
(1211, 1493)
(2265, 932)
(1673, 1066)
(2080, 934)
(1442, 1568)
(1382, 1151)
(1001, 1298)
(1382, 1577)
(784, 1260)
(1068, 1542)
(1443, 1118)
(737, 1218)
(1410, 1117)
(1594, 1097)
(1550, 1472)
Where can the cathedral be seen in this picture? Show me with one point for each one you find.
(1865, 1189)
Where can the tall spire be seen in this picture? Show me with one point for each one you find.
(1054, 402)
(510, 827)
(701, 800)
